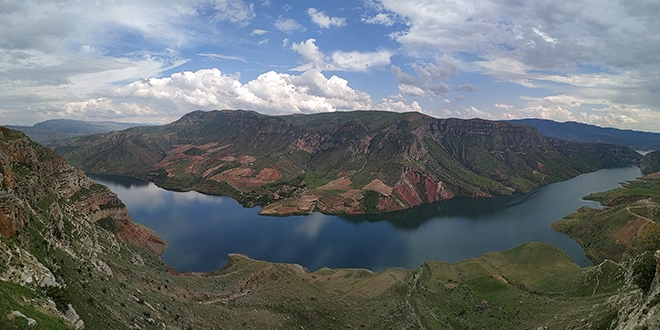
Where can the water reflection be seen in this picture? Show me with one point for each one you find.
(201, 230)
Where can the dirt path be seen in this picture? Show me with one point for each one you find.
(637, 215)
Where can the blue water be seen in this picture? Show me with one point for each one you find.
(201, 230)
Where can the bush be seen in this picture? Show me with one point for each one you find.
(644, 271)
(649, 240)
(60, 296)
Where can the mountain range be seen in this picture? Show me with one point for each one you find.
(579, 132)
(346, 162)
(53, 130)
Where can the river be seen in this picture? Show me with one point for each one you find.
(201, 229)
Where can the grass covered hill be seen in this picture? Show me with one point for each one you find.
(347, 162)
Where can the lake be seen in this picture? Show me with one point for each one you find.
(201, 229)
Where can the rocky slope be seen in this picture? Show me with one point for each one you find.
(354, 162)
(65, 264)
(650, 163)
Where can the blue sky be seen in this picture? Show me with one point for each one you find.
(151, 61)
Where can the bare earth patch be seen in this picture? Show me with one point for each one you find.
(626, 234)
(268, 174)
(339, 184)
(380, 187)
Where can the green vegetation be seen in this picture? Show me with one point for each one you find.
(194, 151)
(116, 284)
(84, 194)
(608, 233)
(644, 270)
(370, 201)
(649, 240)
(14, 297)
(467, 157)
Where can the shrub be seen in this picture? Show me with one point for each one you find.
(644, 271)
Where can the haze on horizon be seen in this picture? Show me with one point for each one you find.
(590, 61)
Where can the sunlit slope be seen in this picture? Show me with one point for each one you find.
(349, 162)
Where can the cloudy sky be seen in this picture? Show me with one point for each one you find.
(151, 61)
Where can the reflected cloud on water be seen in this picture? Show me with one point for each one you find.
(201, 229)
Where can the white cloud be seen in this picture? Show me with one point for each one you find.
(259, 32)
(473, 112)
(430, 78)
(324, 21)
(262, 42)
(313, 58)
(391, 104)
(358, 61)
(288, 25)
(381, 19)
(503, 106)
(402, 77)
(545, 36)
(311, 54)
(222, 56)
(234, 10)
(166, 99)
(467, 88)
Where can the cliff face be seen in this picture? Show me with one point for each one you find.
(36, 177)
(354, 162)
(651, 163)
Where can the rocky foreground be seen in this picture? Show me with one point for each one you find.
(72, 258)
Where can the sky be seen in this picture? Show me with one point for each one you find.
(152, 61)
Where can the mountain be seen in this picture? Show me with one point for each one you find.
(72, 258)
(348, 163)
(51, 131)
(578, 132)
(650, 163)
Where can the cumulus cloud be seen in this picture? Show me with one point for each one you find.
(166, 99)
(473, 112)
(324, 21)
(313, 58)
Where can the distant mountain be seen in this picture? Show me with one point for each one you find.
(348, 162)
(51, 131)
(578, 132)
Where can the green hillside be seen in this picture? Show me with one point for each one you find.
(332, 162)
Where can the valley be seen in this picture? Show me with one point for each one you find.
(74, 258)
(339, 163)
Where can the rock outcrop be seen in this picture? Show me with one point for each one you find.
(46, 205)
